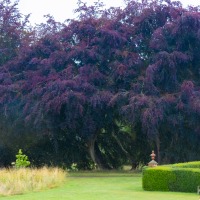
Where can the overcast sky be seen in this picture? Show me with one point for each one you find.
(63, 9)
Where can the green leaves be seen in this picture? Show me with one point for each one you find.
(181, 177)
(21, 160)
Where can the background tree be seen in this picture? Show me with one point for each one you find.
(13, 29)
(107, 87)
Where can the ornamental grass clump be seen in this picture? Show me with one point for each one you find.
(22, 180)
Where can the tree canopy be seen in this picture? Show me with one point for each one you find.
(107, 87)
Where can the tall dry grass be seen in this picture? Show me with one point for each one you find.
(19, 181)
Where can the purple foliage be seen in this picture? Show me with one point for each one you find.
(139, 65)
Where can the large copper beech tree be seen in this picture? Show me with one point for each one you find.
(116, 83)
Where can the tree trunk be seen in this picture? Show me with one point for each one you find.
(158, 148)
(133, 163)
(92, 152)
(56, 146)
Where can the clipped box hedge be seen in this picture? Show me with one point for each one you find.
(181, 177)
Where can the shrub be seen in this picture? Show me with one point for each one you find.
(195, 164)
(187, 180)
(183, 177)
(157, 179)
(21, 160)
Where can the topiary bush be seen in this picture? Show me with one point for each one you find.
(187, 180)
(158, 178)
(195, 164)
(182, 177)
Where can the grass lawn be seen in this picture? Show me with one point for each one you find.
(102, 186)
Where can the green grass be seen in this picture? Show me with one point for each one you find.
(102, 186)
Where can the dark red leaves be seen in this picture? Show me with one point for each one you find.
(139, 65)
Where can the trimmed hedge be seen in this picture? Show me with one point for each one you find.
(158, 178)
(195, 164)
(181, 177)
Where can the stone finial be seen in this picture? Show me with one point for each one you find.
(152, 163)
(153, 155)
